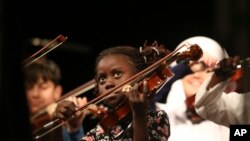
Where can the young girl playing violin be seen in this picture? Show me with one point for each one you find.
(213, 103)
(113, 67)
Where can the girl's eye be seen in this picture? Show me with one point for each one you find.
(102, 79)
(117, 74)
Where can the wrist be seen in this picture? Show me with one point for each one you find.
(72, 129)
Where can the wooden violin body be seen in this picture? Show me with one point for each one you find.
(38, 122)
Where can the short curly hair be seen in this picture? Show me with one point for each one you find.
(45, 69)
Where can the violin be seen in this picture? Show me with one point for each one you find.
(156, 76)
(42, 117)
(38, 121)
(190, 111)
(41, 120)
(121, 115)
(47, 111)
(238, 82)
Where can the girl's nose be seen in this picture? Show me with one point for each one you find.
(109, 84)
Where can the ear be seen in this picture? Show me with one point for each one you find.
(58, 92)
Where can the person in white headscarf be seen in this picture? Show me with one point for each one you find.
(185, 123)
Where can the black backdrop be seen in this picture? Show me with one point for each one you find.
(92, 26)
(96, 25)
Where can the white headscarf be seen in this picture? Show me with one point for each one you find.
(208, 46)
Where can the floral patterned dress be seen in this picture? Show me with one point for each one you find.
(157, 123)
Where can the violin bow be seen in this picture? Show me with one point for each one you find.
(43, 51)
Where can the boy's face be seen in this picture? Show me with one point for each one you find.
(41, 94)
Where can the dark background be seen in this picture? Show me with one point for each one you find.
(94, 25)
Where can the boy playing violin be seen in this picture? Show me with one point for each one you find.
(43, 88)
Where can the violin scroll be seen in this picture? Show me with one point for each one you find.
(193, 52)
(234, 69)
(244, 63)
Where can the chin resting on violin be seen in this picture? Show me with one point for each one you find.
(129, 115)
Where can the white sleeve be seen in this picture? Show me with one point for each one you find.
(175, 106)
(222, 108)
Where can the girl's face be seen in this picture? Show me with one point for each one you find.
(193, 81)
(112, 70)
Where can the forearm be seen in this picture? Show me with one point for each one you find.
(209, 93)
(140, 127)
(210, 103)
(214, 81)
